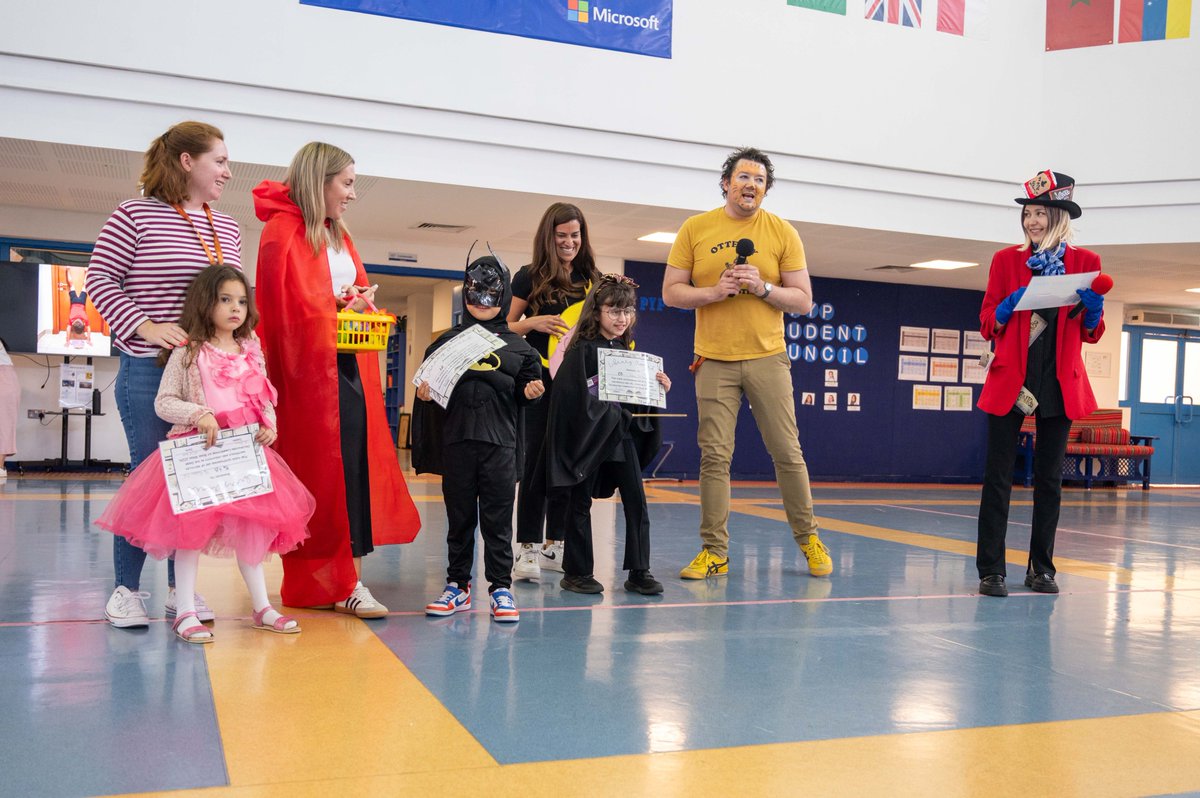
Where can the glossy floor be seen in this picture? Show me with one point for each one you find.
(892, 677)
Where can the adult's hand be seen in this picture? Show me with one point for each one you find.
(424, 392)
(551, 324)
(1007, 305)
(1093, 306)
(166, 334)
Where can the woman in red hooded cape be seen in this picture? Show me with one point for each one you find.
(297, 283)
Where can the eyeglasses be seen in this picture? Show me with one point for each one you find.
(620, 313)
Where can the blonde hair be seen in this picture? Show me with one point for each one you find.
(310, 171)
(163, 176)
(1058, 229)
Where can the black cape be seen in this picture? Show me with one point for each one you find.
(583, 434)
(429, 421)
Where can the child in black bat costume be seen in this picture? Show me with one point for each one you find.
(475, 443)
(594, 447)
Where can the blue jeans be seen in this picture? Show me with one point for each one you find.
(136, 388)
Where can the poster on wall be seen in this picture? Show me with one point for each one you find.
(641, 27)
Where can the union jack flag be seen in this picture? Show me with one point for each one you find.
(895, 12)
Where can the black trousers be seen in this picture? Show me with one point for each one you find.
(477, 487)
(543, 505)
(352, 415)
(1050, 447)
(578, 559)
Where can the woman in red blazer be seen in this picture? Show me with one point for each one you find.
(1037, 370)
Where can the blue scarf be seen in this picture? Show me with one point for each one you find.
(1048, 263)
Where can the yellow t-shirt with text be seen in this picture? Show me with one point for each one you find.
(741, 327)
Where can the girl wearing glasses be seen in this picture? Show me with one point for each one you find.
(594, 446)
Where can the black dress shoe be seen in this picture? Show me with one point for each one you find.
(1041, 583)
(993, 585)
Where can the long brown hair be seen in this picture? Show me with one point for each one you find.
(614, 290)
(311, 169)
(550, 285)
(202, 296)
(163, 176)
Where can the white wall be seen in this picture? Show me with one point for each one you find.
(874, 126)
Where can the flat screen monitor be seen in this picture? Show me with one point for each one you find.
(45, 309)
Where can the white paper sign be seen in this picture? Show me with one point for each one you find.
(1052, 291)
(233, 468)
(75, 386)
(445, 367)
(630, 377)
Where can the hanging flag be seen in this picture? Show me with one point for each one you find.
(895, 12)
(832, 6)
(1153, 20)
(1079, 23)
(963, 18)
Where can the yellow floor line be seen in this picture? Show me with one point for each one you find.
(1096, 758)
(330, 700)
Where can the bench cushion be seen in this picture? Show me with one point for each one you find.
(1106, 435)
(1109, 449)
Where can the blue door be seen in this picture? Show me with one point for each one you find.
(1164, 382)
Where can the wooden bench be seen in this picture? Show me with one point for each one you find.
(1099, 449)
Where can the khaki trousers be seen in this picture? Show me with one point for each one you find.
(767, 383)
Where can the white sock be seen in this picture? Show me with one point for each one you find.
(187, 565)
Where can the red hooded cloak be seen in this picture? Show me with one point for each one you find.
(295, 298)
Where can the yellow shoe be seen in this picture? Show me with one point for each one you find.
(819, 561)
(705, 565)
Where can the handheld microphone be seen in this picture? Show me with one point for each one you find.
(1102, 284)
(745, 248)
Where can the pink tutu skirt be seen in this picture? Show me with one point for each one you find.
(250, 529)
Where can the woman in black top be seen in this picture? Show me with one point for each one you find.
(547, 295)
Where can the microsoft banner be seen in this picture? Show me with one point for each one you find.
(642, 27)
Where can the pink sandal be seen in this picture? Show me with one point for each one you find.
(280, 625)
(195, 634)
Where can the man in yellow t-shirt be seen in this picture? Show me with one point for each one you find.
(740, 349)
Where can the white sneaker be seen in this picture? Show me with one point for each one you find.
(126, 608)
(204, 612)
(362, 604)
(551, 556)
(526, 566)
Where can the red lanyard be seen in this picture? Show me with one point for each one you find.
(216, 238)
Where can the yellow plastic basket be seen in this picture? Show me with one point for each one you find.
(363, 332)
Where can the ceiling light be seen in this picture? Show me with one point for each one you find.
(944, 265)
(658, 238)
(1192, 290)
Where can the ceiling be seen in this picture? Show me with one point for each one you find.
(63, 177)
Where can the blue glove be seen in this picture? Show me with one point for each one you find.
(1093, 306)
(1004, 310)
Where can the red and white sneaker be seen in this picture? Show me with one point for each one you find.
(504, 608)
(453, 599)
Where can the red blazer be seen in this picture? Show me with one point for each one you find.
(298, 310)
(1007, 372)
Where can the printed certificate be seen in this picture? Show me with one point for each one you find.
(234, 468)
(445, 367)
(630, 377)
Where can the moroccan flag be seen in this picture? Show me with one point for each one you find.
(1078, 23)
(832, 6)
(963, 18)
(1152, 20)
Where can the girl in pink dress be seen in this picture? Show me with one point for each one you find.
(215, 381)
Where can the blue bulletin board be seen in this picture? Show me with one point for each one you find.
(854, 332)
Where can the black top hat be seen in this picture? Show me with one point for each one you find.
(1052, 189)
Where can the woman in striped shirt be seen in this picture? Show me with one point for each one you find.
(146, 256)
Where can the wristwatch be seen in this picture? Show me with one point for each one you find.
(767, 288)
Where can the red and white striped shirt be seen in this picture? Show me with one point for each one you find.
(145, 258)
